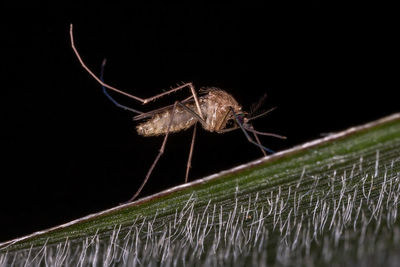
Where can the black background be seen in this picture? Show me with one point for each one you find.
(68, 152)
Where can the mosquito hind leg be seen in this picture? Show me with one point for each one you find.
(160, 152)
(143, 101)
(103, 64)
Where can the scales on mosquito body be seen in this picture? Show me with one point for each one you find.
(215, 109)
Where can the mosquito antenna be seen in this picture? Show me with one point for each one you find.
(93, 75)
(256, 106)
(103, 64)
(251, 129)
(260, 115)
(247, 135)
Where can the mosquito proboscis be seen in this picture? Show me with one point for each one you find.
(214, 109)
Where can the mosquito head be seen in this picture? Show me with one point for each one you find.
(244, 120)
(236, 117)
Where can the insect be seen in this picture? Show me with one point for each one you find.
(214, 109)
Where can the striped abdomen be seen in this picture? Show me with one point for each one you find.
(158, 123)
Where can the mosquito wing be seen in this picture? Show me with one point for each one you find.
(150, 113)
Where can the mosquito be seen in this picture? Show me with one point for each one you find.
(213, 108)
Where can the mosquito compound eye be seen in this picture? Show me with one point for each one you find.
(241, 118)
(230, 123)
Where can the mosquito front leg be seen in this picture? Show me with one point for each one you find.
(259, 143)
(247, 135)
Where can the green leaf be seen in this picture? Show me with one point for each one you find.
(330, 201)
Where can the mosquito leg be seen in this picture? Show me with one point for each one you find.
(248, 136)
(191, 87)
(251, 129)
(92, 74)
(103, 64)
(259, 143)
(189, 162)
(144, 101)
(161, 151)
(226, 130)
(197, 116)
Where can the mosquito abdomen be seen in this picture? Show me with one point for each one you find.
(158, 124)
